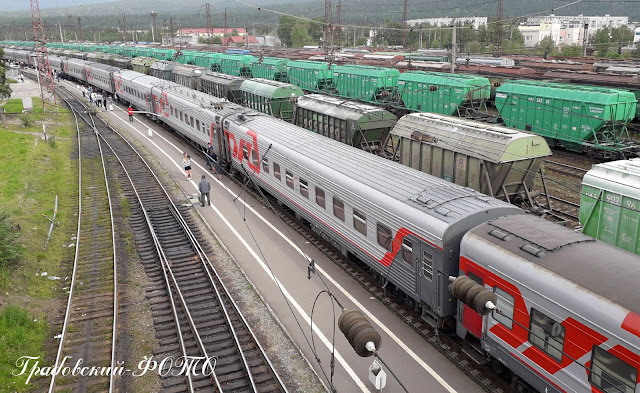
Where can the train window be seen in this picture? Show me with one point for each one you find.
(338, 208)
(265, 165)
(191, 123)
(254, 156)
(276, 171)
(506, 304)
(427, 265)
(546, 334)
(180, 115)
(360, 222)
(384, 236)
(197, 124)
(245, 152)
(611, 374)
(304, 188)
(289, 178)
(320, 197)
(407, 251)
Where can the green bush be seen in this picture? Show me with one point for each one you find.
(27, 121)
(10, 249)
(51, 140)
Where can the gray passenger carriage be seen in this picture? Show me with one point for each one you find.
(569, 305)
(404, 224)
(76, 68)
(100, 75)
(56, 63)
(135, 88)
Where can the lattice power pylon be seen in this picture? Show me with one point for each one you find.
(47, 90)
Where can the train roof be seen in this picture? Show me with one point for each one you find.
(622, 177)
(219, 77)
(492, 143)
(187, 69)
(342, 108)
(163, 65)
(270, 88)
(599, 267)
(393, 187)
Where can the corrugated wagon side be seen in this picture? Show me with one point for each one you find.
(314, 76)
(446, 94)
(366, 83)
(580, 118)
(494, 160)
(610, 204)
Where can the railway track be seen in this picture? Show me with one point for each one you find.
(194, 315)
(89, 327)
(565, 169)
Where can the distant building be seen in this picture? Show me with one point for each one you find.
(566, 30)
(636, 37)
(193, 35)
(476, 21)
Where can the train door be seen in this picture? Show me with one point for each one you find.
(471, 320)
(426, 256)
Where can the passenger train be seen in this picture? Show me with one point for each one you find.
(568, 307)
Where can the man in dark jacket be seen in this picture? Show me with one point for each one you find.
(204, 188)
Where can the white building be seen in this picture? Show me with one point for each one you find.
(476, 21)
(566, 30)
(636, 37)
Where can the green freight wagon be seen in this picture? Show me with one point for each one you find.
(446, 94)
(314, 76)
(144, 52)
(187, 57)
(100, 48)
(273, 68)
(353, 123)
(236, 65)
(610, 203)
(163, 54)
(580, 118)
(271, 97)
(142, 64)
(209, 60)
(128, 51)
(366, 83)
(495, 160)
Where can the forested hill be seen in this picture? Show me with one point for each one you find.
(190, 12)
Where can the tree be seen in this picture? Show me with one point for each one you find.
(210, 40)
(284, 29)
(300, 35)
(572, 51)
(234, 33)
(5, 89)
(546, 46)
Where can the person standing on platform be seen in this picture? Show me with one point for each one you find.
(204, 188)
(104, 101)
(209, 153)
(130, 112)
(186, 164)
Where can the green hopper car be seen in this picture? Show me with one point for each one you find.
(163, 54)
(446, 94)
(314, 76)
(236, 65)
(271, 97)
(353, 123)
(610, 203)
(580, 118)
(366, 83)
(208, 60)
(273, 68)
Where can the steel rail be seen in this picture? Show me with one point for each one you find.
(77, 251)
(200, 250)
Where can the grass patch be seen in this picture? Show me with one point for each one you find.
(9, 80)
(27, 191)
(21, 334)
(13, 106)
